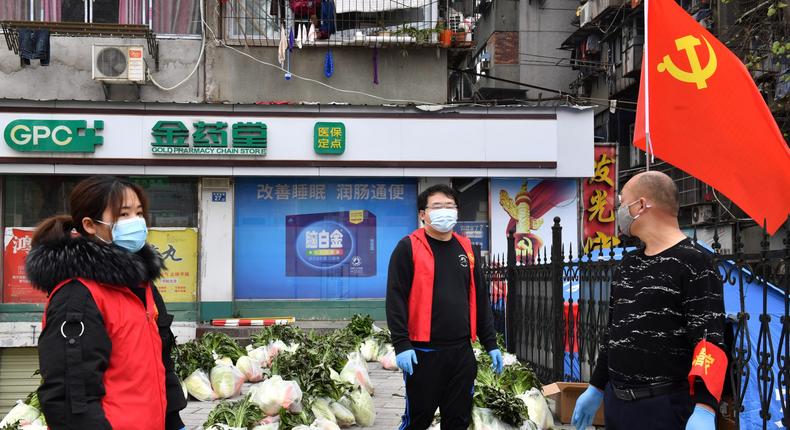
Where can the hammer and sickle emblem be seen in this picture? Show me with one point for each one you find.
(698, 75)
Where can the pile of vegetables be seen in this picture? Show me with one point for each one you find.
(306, 381)
(300, 380)
(512, 400)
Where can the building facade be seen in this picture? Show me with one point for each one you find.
(281, 170)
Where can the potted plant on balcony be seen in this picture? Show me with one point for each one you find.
(445, 34)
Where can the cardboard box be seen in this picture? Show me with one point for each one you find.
(565, 394)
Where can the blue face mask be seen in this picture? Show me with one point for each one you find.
(129, 234)
(444, 219)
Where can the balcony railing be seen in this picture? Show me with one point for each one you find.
(369, 23)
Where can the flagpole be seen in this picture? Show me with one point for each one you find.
(648, 143)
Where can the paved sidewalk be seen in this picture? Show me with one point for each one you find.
(388, 400)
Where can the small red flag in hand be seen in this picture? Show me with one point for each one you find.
(707, 117)
(709, 363)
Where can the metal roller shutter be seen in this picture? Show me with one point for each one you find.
(16, 376)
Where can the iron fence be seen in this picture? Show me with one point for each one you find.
(552, 308)
(370, 23)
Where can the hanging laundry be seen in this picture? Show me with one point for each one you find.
(328, 16)
(329, 66)
(303, 32)
(283, 47)
(291, 40)
(376, 66)
(34, 45)
(311, 34)
(299, 37)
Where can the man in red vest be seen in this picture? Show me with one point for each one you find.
(437, 304)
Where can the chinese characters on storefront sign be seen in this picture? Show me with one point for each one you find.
(329, 138)
(209, 138)
(599, 198)
(342, 192)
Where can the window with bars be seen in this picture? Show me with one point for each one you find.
(164, 17)
(333, 22)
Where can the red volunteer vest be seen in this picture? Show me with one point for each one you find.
(134, 381)
(421, 295)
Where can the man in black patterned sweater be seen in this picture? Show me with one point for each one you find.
(661, 365)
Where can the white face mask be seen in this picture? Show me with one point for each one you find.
(624, 218)
(443, 220)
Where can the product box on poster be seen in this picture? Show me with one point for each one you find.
(331, 244)
(565, 394)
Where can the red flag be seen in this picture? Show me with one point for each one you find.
(707, 117)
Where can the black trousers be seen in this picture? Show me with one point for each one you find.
(445, 379)
(666, 412)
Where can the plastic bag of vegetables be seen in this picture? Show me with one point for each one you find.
(260, 355)
(21, 413)
(509, 359)
(387, 359)
(199, 386)
(275, 394)
(320, 408)
(356, 372)
(370, 350)
(323, 424)
(270, 426)
(226, 381)
(343, 416)
(361, 405)
(250, 368)
(538, 409)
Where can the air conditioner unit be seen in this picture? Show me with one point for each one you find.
(114, 64)
(585, 13)
(701, 214)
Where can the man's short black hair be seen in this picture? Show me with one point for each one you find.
(422, 199)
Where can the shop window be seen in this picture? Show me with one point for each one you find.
(473, 210)
(163, 16)
(29, 199)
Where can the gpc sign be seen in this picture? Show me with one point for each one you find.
(44, 135)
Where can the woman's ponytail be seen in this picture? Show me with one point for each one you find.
(53, 229)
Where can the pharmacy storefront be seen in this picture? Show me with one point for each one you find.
(264, 212)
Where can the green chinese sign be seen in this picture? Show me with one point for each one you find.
(209, 138)
(51, 135)
(329, 138)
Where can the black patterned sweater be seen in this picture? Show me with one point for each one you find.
(661, 306)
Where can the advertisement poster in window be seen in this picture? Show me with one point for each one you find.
(527, 207)
(16, 287)
(599, 202)
(319, 238)
(179, 250)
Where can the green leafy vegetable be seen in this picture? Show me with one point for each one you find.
(504, 404)
(242, 413)
(285, 333)
(361, 326)
(223, 345)
(192, 356)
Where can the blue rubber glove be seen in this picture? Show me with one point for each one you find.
(496, 360)
(405, 359)
(701, 419)
(586, 407)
